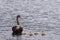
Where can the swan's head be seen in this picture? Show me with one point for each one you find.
(18, 16)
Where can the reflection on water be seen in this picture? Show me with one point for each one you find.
(18, 37)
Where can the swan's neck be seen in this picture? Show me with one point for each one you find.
(17, 21)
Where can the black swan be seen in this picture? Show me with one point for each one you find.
(17, 29)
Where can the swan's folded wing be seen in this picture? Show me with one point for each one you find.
(21, 29)
(13, 28)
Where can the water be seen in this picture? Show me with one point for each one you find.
(36, 16)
